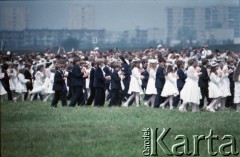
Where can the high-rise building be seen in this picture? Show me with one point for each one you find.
(203, 23)
(82, 17)
(13, 18)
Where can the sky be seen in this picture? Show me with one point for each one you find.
(112, 15)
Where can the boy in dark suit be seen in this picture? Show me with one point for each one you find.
(69, 77)
(203, 83)
(126, 69)
(76, 83)
(115, 87)
(28, 76)
(180, 81)
(92, 89)
(107, 70)
(5, 80)
(99, 84)
(145, 74)
(59, 86)
(160, 81)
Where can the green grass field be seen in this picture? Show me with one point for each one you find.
(33, 129)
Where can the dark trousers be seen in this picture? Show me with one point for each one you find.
(99, 98)
(29, 88)
(115, 99)
(124, 93)
(59, 95)
(9, 92)
(69, 96)
(109, 96)
(36, 96)
(159, 99)
(146, 96)
(77, 95)
(84, 99)
(176, 99)
(91, 97)
(204, 93)
(229, 99)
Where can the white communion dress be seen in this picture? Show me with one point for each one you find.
(135, 82)
(21, 85)
(214, 88)
(151, 89)
(191, 92)
(170, 86)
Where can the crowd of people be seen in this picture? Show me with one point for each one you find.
(156, 77)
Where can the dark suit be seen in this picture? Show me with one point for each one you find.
(85, 94)
(77, 85)
(60, 89)
(29, 85)
(180, 83)
(69, 80)
(203, 84)
(126, 69)
(144, 84)
(115, 89)
(145, 80)
(5, 84)
(99, 84)
(160, 81)
(92, 89)
(229, 100)
(107, 71)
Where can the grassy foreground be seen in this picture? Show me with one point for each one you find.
(35, 129)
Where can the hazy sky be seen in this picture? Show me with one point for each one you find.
(116, 15)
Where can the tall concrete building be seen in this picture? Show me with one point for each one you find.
(81, 17)
(203, 23)
(13, 18)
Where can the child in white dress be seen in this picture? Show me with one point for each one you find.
(214, 88)
(224, 85)
(135, 88)
(151, 88)
(191, 92)
(21, 87)
(48, 85)
(170, 87)
(14, 77)
(38, 87)
(236, 79)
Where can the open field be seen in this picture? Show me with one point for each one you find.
(32, 129)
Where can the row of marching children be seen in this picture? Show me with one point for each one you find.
(156, 80)
(173, 85)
